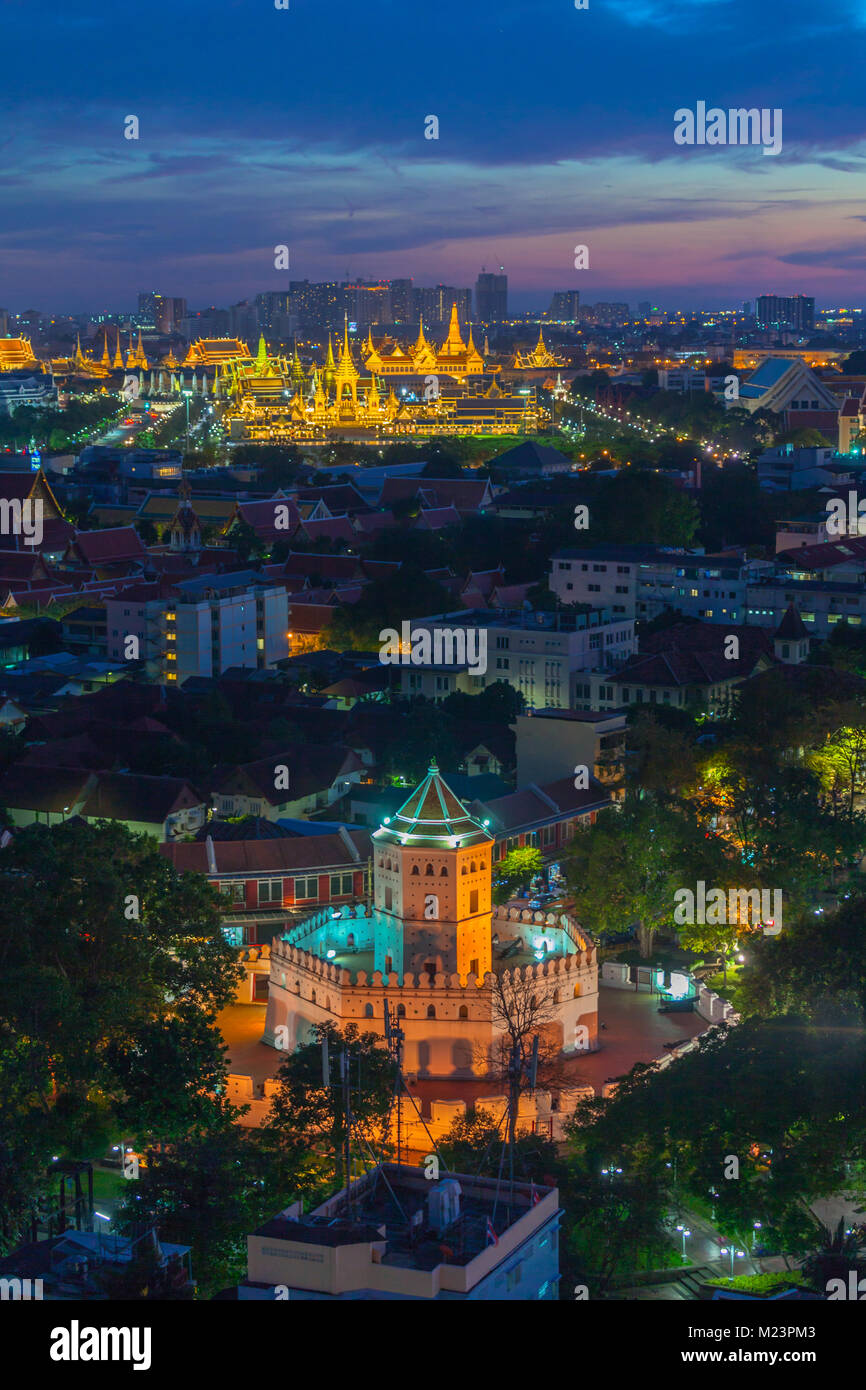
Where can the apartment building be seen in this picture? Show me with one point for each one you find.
(203, 627)
(640, 582)
(538, 653)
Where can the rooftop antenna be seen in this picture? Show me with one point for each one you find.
(394, 1037)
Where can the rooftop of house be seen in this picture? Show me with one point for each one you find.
(577, 618)
(397, 1207)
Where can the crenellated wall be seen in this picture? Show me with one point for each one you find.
(449, 1020)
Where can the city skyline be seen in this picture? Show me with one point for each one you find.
(536, 153)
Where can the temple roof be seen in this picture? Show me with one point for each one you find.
(433, 817)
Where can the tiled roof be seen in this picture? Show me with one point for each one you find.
(133, 797)
(531, 805)
(433, 817)
(56, 789)
(290, 854)
(102, 547)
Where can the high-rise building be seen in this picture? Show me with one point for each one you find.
(147, 302)
(611, 313)
(368, 301)
(318, 306)
(170, 312)
(402, 303)
(491, 297)
(795, 311)
(272, 303)
(161, 312)
(565, 306)
(434, 303)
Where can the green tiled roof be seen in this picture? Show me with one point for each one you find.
(432, 817)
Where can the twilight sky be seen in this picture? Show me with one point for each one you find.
(305, 126)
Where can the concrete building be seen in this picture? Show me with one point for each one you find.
(205, 626)
(538, 653)
(642, 581)
(552, 743)
(395, 1235)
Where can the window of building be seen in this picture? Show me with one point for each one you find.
(306, 888)
(341, 885)
(473, 900)
(236, 891)
(431, 1010)
(271, 890)
(463, 1011)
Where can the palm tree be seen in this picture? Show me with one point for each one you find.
(836, 1253)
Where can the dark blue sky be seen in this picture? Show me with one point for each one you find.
(306, 127)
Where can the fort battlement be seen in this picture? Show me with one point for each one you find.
(559, 921)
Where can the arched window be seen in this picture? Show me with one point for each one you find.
(401, 1010)
(463, 869)
(382, 864)
(473, 867)
(429, 871)
(443, 872)
(328, 1003)
(415, 869)
(297, 986)
(368, 1010)
(431, 1010)
(464, 1012)
(556, 996)
(313, 997)
(577, 991)
(350, 939)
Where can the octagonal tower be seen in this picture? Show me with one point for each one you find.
(432, 873)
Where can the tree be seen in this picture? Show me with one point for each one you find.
(761, 1117)
(385, 603)
(306, 1114)
(817, 964)
(474, 1143)
(515, 871)
(209, 1191)
(121, 960)
(837, 1253)
(522, 1009)
(625, 869)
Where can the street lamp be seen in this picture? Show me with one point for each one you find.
(734, 1254)
(186, 395)
(685, 1234)
(756, 1226)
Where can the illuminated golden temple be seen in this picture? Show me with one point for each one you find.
(540, 357)
(443, 390)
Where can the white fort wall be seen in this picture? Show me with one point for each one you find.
(448, 1020)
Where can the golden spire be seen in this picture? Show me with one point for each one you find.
(454, 344)
(106, 359)
(118, 355)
